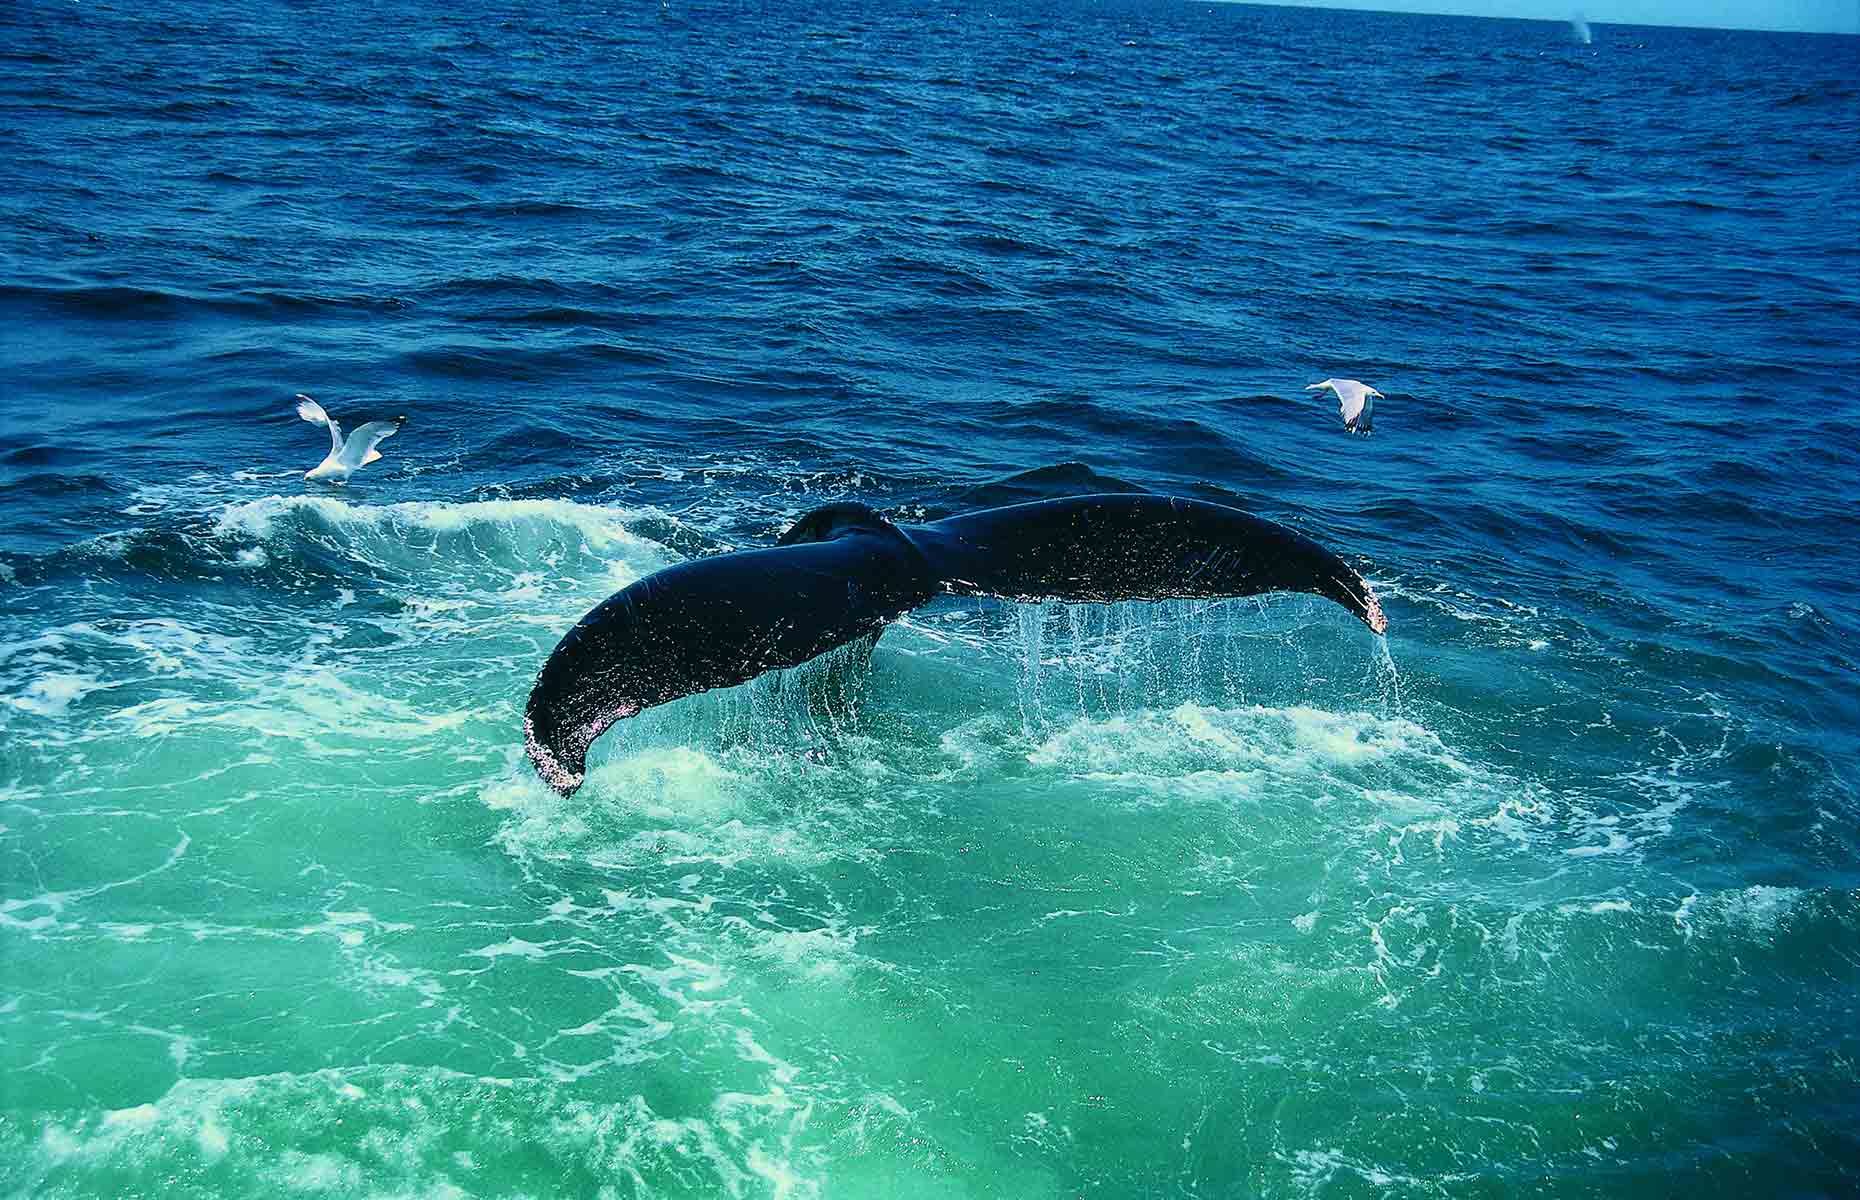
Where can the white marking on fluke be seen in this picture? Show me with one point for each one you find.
(548, 766)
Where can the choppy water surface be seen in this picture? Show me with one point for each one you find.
(1555, 893)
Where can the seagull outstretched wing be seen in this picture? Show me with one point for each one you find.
(359, 450)
(313, 412)
(1353, 401)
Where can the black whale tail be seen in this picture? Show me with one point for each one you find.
(843, 572)
(1136, 547)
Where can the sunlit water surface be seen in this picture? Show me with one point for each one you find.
(1554, 893)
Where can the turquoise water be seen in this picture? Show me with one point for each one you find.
(1553, 892)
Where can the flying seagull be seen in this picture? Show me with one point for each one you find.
(1353, 401)
(345, 456)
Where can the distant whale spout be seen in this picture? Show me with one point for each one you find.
(846, 571)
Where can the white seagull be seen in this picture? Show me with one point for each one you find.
(1353, 401)
(358, 450)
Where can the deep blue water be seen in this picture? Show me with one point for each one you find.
(1561, 896)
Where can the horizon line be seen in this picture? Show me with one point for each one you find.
(1379, 6)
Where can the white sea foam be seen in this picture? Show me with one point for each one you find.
(815, 954)
(510, 947)
(1596, 907)
(141, 1117)
(1752, 912)
(603, 528)
(351, 929)
(43, 647)
(672, 806)
(169, 646)
(1614, 842)
(1192, 738)
(51, 694)
(389, 1137)
(305, 708)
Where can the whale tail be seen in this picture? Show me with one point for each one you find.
(1136, 547)
(844, 572)
(719, 621)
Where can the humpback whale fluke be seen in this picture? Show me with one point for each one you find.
(845, 571)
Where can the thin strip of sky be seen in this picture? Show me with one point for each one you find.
(1796, 16)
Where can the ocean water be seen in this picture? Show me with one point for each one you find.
(1555, 892)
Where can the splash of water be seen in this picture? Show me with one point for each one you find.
(1387, 678)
